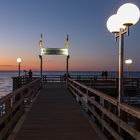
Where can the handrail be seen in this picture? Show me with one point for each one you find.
(96, 80)
(103, 95)
(133, 111)
(104, 108)
(13, 105)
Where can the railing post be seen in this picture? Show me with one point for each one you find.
(102, 104)
(137, 124)
(137, 83)
(16, 82)
(67, 69)
(40, 56)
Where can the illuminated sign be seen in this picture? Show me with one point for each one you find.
(54, 51)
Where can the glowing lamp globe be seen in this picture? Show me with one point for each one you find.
(129, 14)
(128, 61)
(113, 24)
(18, 60)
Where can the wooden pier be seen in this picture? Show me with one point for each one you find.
(55, 115)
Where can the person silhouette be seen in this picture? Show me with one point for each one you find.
(30, 73)
(106, 74)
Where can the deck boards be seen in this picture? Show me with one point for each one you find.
(56, 115)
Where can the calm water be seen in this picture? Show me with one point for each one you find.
(6, 77)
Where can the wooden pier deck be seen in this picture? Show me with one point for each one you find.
(55, 115)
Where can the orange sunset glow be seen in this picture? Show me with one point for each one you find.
(91, 47)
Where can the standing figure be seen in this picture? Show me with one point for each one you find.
(106, 74)
(30, 73)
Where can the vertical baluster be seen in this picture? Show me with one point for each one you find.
(102, 104)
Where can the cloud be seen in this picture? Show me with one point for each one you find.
(7, 65)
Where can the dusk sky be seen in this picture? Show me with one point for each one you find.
(91, 46)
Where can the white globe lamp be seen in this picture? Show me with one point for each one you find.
(129, 14)
(113, 24)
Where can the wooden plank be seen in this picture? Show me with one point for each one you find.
(56, 116)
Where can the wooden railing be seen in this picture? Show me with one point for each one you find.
(104, 109)
(22, 80)
(95, 80)
(99, 82)
(53, 78)
(13, 106)
(110, 86)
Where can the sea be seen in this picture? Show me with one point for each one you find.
(6, 77)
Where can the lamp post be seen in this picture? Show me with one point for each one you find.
(128, 62)
(19, 62)
(67, 69)
(127, 15)
(40, 56)
(67, 66)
